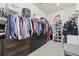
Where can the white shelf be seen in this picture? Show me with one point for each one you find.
(2, 33)
(3, 20)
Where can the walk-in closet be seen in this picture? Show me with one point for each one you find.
(39, 29)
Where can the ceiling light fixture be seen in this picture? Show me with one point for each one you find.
(57, 4)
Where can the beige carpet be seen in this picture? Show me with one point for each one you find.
(49, 49)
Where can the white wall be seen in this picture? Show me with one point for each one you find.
(34, 9)
(77, 6)
(65, 13)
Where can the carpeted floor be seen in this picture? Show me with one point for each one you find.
(49, 49)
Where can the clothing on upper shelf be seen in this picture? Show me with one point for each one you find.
(57, 30)
(12, 27)
(7, 27)
(21, 27)
(36, 26)
(39, 27)
(70, 28)
(50, 32)
(30, 31)
(16, 27)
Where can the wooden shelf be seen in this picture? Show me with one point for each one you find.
(24, 53)
(10, 53)
(17, 50)
(23, 48)
(14, 45)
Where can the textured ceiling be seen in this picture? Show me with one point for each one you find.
(52, 7)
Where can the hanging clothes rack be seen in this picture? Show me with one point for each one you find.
(11, 8)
